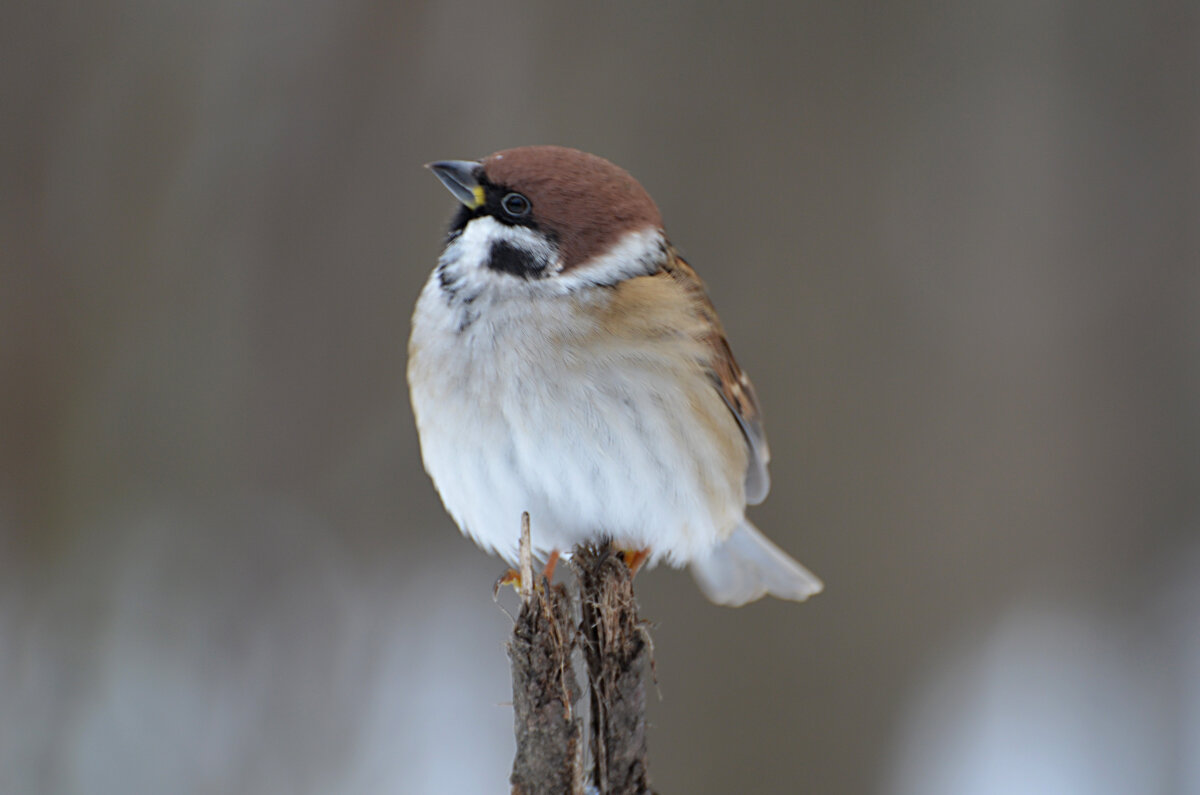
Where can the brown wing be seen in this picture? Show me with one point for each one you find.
(730, 381)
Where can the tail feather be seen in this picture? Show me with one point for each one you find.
(747, 566)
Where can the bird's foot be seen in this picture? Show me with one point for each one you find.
(513, 577)
(634, 558)
(509, 577)
(551, 563)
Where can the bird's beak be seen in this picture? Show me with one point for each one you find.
(459, 177)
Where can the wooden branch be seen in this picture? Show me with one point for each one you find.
(546, 692)
(549, 759)
(617, 653)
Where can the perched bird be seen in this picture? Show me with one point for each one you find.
(566, 361)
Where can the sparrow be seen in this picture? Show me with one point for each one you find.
(566, 361)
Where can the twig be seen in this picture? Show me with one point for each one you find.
(526, 553)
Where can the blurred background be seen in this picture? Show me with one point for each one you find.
(957, 248)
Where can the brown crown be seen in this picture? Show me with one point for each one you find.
(586, 202)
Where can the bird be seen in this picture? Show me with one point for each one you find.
(566, 361)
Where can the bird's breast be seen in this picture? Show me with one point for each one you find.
(549, 408)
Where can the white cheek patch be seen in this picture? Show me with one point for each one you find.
(463, 269)
(473, 245)
(470, 284)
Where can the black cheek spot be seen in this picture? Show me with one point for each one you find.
(507, 258)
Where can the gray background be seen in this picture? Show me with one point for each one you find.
(956, 247)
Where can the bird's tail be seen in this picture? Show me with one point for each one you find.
(747, 566)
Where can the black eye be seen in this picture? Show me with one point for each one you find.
(515, 205)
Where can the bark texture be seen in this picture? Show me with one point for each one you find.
(616, 648)
(549, 729)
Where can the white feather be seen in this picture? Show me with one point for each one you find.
(747, 566)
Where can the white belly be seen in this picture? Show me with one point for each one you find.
(518, 413)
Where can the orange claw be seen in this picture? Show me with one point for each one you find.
(634, 558)
(509, 577)
(513, 577)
